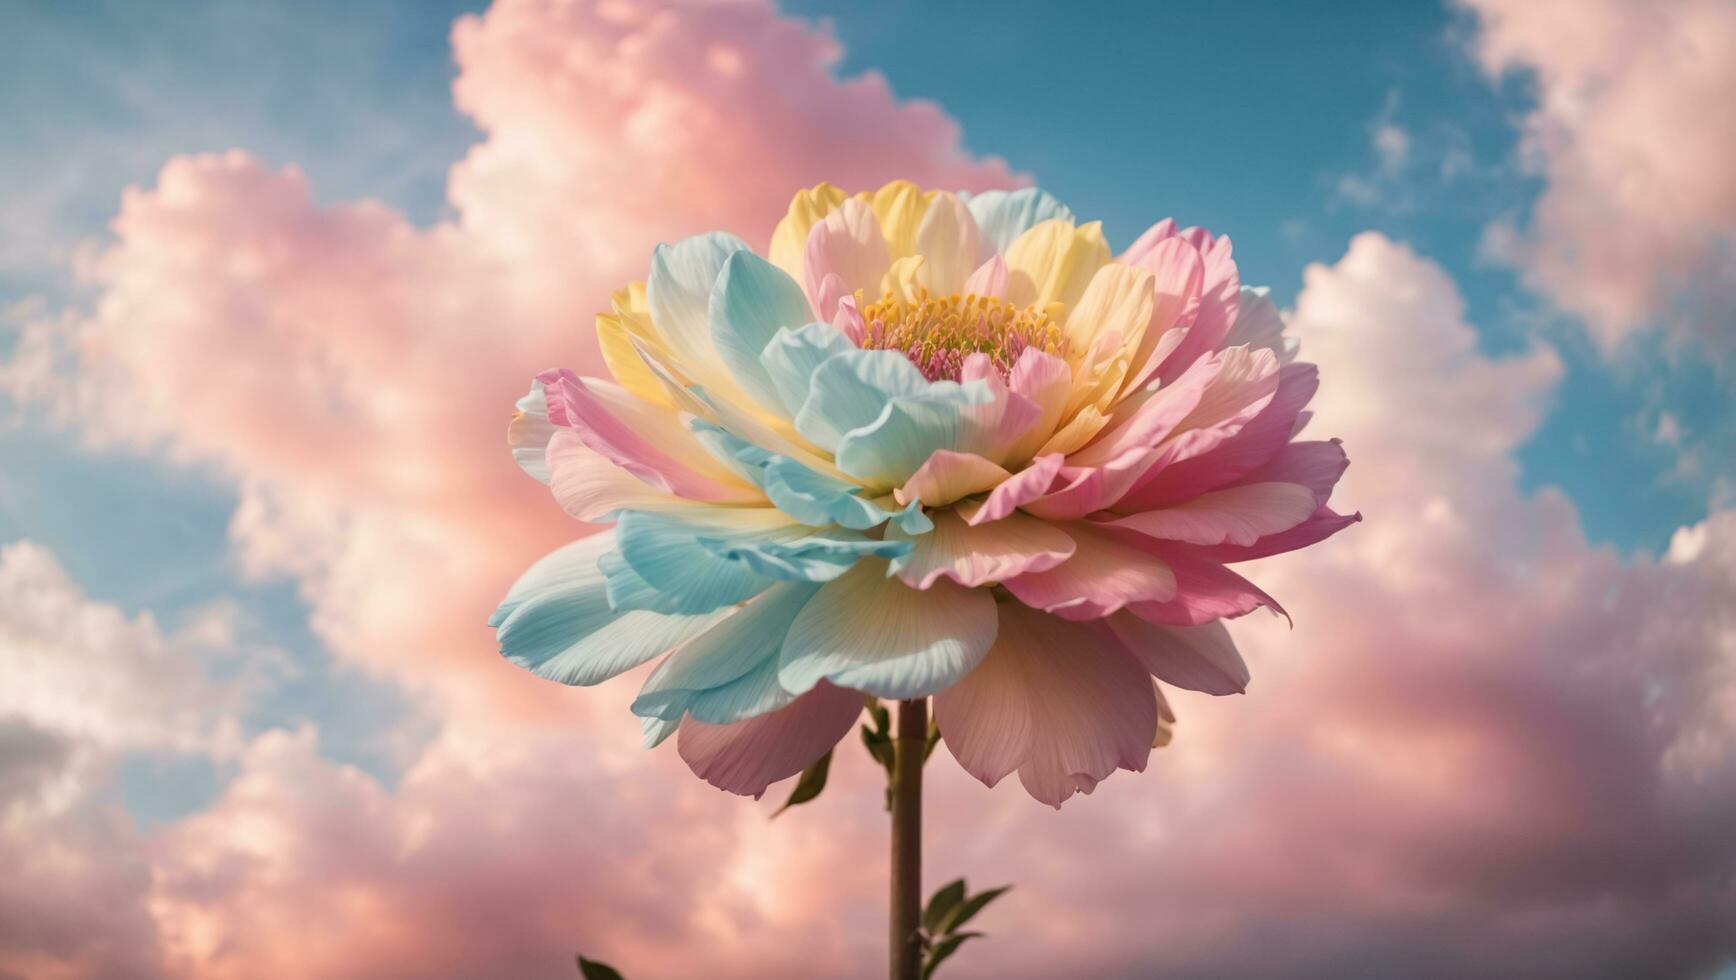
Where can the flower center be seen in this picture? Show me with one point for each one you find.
(938, 333)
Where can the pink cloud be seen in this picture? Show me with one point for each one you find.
(1488, 748)
(1635, 135)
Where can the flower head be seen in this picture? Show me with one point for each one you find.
(934, 444)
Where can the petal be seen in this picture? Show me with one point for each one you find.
(1323, 524)
(1178, 278)
(1053, 262)
(1005, 215)
(848, 244)
(529, 432)
(950, 244)
(1061, 702)
(1317, 465)
(792, 357)
(850, 390)
(1117, 300)
(947, 476)
(678, 293)
(1219, 297)
(1021, 488)
(592, 489)
(1145, 420)
(557, 623)
(1260, 326)
(900, 207)
(1239, 515)
(982, 554)
(818, 557)
(752, 302)
(989, 279)
(887, 451)
(790, 238)
(1086, 490)
(664, 551)
(646, 441)
(1105, 574)
(747, 756)
(875, 634)
(1148, 240)
(1046, 381)
(1199, 658)
(1237, 456)
(992, 429)
(1204, 591)
(726, 652)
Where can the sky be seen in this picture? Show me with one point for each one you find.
(273, 274)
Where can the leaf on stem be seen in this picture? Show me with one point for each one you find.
(593, 970)
(940, 903)
(809, 786)
(938, 953)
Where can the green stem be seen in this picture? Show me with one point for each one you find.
(910, 744)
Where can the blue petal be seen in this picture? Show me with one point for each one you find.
(663, 550)
(820, 557)
(678, 290)
(557, 622)
(752, 301)
(1005, 215)
(895, 444)
(807, 496)
(698, 678)
(793, 356)
(850, 390)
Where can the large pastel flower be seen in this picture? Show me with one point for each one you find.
(935, 444)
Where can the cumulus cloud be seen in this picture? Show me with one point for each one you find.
(1634, 134)
(1488, 748)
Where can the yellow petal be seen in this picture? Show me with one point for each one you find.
(1117, 300)
(950, 244)
(790, 239)
(904, 279)
(900, 206)
(615, 335)
(630, 299)
(1076, 433)
(1053, 262)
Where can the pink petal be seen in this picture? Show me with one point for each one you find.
(1317, 465)
(980, 554)
(1198, 658)
(1179, 276)
(1088, 489)
(848, 244)
(1204, 591)
(1107, 572)
(990, 279)
(1148, 240)
(848, 319)
(1321, 525)
(1219, 301)
(1063, 703)
(1147, 418)
(747, 756)
(1238, 515)
(991, 429)
(590, 488)
(634, 436)
(1236, 456)
(947, 476)
(1047, 382)
(1021, 488)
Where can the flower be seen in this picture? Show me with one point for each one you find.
(934, 444)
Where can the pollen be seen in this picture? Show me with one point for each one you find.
(937, 333)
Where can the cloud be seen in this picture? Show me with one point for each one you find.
(1635, 138)
(87, 684)
(1487, 749)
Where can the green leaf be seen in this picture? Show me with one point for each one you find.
(809, 786)
(592, 970)
(967, 909)
(933, 739)
(940, 903)
(938, 953)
